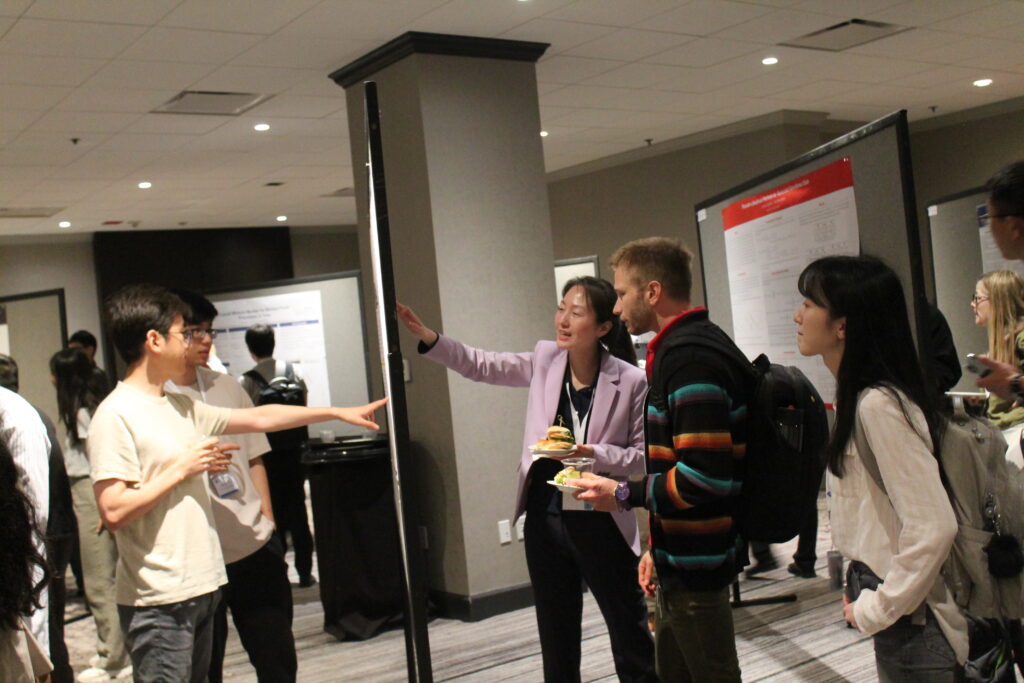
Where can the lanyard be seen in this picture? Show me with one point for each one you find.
(579, 424)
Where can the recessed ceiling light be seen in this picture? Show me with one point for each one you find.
(261, 127)
(983, 82)
(769, 61)
(64, 224)
(282, 219)
(145, 185)
(543, 133)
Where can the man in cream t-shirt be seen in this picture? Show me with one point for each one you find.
(258, 591)
(148, 451)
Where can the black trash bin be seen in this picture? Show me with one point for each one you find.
(356, 531)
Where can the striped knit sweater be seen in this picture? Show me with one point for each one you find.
(695, 430)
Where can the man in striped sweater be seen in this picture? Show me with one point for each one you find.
(695, 429)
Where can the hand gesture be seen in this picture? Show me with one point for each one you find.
(361, 416)
(599, 491)
(209, 455)
(415, 326)
(998, 380)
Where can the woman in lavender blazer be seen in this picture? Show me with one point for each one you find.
(582, 379)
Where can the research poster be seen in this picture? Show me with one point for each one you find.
(991, 259)
(769, 239)
(297, 319)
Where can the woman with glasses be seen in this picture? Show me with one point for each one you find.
(854, 316)
(998, 305)
(78, 394)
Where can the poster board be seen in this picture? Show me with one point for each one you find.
(883, 203)
(35, 327)
(318, 327)
(958, 236)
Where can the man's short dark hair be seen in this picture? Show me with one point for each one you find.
(134, 310)
(201, 310)
(83, 338)
(665, 260)
(260, 340)
(8, 373)
(1006, 190)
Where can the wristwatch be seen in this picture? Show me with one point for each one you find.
(622, 496)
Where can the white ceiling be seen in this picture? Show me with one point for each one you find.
(617, 72)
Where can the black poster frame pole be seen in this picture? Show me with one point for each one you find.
(417, 645)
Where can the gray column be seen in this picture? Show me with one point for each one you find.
(473, 255)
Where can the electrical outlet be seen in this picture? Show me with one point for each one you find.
(406, 373)
(520, 527)
(504, 532)
(424, 538)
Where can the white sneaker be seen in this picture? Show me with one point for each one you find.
(93, 675)
(119, 674)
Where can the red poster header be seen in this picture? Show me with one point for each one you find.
(825, 180)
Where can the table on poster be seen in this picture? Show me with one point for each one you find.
(769, 239)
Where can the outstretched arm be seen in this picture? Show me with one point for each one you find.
(274, 417)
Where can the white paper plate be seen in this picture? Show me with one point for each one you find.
(565, 489)
(556, 453)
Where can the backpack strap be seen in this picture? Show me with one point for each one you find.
(867, 456)
(713, 339)
(257, 377)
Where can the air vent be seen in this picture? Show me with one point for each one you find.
(343, 192)
(845, 35)
(213, 103)
(29, 211)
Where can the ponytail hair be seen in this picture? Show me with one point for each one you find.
(601, 296)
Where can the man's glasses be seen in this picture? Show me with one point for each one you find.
(197, 334)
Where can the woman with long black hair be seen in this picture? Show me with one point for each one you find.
(587, 380)
(854, 316)
(23, 576)
(78, 394)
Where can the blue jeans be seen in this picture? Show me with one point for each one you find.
(170, 643)
(908, 652)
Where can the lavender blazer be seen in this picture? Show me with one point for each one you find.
(616, 429)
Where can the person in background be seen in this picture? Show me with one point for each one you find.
(84, 341)
(998, 305)
(23, 575)
(77, 400)
(257, 591)
(60, 530)
(586, 380)
(284, 462)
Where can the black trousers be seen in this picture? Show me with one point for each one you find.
(805, 555)
(288, 499)
(58, 552)
(260, 598)
(562, 551)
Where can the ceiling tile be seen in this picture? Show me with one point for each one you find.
(613, 12)
(1001, 53)
(777, 27)
(703, 52)
(817, 91)
(983, 21)
(177, 124)
(936, 76)
(163, 44)
(109, 11)
(927, 12)
(566, 69)
(370, 20)
(35, 70)
(14, 8)
(912, 44)
(14, 121)
(704, 17)
(77, 123)
(629, 45)
(638, 75)
(888, 95)
(254, 79)
(80, 39)
(287, 105)
(303, 52)
(147, 75)
(560, 35)
(255, 16)
(847, 9)
(115, 99)
(37, 97)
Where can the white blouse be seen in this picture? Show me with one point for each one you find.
(905, 536)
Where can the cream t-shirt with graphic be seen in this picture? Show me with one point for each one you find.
(172, 552)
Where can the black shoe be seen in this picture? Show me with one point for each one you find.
(802, 572)
(762, 566)
(306, 581)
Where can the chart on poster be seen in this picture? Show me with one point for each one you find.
(770, 238)
(297, 319)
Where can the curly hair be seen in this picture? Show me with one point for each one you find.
(20, 594)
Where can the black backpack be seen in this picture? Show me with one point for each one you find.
(283, 389)
(787, 430)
